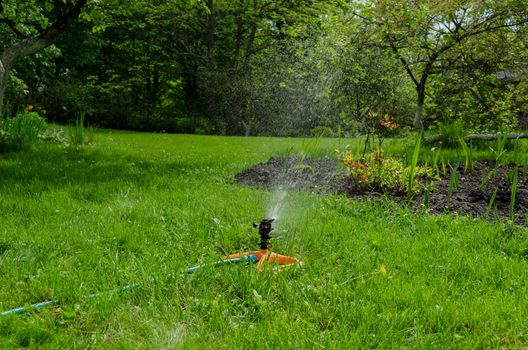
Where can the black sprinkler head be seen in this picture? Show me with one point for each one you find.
(264, 232)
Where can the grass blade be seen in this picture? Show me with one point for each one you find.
(414, 161)
(467, 155)
(490, 204)
(513, 191)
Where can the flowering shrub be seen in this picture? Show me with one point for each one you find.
(388, 124)
(379, 125)
(385, 127)
(374, 172)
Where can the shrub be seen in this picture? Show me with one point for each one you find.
(21, 131)
(450, 134)
(53, 134)
(380, 125)
(374, 172)
(322, 131)
(202, 126)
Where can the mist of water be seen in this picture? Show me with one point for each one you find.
(277, 203)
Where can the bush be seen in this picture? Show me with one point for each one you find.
(53, 134)
(21, 131)
(322, 131)
(450, 134)
(374, 172)
(202, 126)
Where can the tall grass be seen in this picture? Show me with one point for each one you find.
(525, 167)
(434, 162)
(78, 134)
(414, 162)
(468, 156)
(513, 194)
(491, 202)
(444, 167)
(454, 184)
(311, 148)
(498, 152)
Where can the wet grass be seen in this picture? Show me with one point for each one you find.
(133, 206)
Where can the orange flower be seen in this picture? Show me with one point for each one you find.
(362, 177)
(29, 107)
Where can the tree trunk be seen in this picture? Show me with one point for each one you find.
(211, 109)
(420, 100)
(482, 137)
(4, 78)
(234, 117)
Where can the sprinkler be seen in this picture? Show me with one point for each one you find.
(259, 257)
(264, 232)
(264, 255)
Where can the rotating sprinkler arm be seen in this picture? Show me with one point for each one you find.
(264, 232)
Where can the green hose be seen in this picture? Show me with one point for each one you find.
(20, 310)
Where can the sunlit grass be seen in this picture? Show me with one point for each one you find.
(134, 207)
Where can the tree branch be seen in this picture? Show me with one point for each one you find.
(483, 137)
(12, 25)
(403, 61)
(31, 45)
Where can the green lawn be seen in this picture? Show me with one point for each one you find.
(140, 208)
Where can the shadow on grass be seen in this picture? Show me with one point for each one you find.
(87, 173)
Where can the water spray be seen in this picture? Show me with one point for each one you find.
(260, 257)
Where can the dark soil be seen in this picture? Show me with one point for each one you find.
(327, 175)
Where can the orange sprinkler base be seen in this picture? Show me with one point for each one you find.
(265, 256)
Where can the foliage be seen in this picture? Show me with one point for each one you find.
(376, 172)
(450, 134)
(384, 127)
(361, 77)
(28, 27)
(20, 131)
(431, 38)
(133, 74)
(262, 67)
(54, 134)
(322, 131)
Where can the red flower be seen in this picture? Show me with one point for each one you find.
(389, 124)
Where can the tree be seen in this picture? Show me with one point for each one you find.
(219, 48)
(484, 84)
(363, 77)
(33, 26)
(422, 32)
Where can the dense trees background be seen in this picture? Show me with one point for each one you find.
(271, 67)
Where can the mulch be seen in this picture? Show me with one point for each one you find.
(472, 197)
